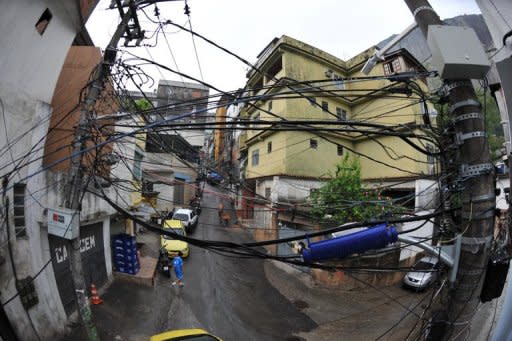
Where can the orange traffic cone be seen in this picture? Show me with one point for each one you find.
(95, 299)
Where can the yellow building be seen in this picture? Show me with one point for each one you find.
(297, 82)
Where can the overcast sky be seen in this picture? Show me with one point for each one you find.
(342, 28)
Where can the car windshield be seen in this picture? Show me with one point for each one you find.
(180, 216)
(423, 266)
(177, 231)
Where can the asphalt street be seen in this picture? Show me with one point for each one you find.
(228, 296)
(231, 296)
(250, 299)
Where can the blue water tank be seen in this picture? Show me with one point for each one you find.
(358, 242)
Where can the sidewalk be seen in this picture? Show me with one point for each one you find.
(362, 314)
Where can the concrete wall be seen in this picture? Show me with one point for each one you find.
(121, 173)
(30, 66)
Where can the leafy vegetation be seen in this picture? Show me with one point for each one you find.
(343, 198)
(493, 125)
(142, 104)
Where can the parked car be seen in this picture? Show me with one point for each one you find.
(424, 273)
(188, 217)
(213, 178)
(173, 246)
(185, 334)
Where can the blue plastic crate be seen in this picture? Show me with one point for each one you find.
(133, 271)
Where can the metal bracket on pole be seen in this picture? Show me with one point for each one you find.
(448, 254)
(468, 116)
(476, 170)
(460, 138)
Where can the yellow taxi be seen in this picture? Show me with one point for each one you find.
(172, 245)
(185, 334)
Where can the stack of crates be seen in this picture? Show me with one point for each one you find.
(126, 259)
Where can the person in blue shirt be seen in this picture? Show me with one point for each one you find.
(177, 263)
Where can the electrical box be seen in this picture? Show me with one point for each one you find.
(457, 53)
(63, 222)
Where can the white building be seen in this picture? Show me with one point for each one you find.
(37, 37)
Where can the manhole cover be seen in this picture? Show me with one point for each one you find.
(301, 304)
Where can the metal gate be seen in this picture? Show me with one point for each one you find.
(93, 262)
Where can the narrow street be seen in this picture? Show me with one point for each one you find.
(230, 296)
(248, 299)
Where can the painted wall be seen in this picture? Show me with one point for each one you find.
(80, 63)
(30, 67)
(397, 153)
(31, 62)
(122, 171)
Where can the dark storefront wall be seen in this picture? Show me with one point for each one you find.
(93, 262)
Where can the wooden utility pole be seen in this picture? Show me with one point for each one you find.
(476, 175)
(74, 188)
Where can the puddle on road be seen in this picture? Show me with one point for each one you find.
(299, 304)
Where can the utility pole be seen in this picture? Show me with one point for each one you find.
(477, 189)
(74, 187)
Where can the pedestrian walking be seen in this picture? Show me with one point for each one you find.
(225, 218)
(221, 211)
(177, 263)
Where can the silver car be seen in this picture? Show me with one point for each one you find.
(424, 273)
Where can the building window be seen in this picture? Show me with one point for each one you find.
(255, 157)
(397, 66)
(388, 69)
(267, 192)
(340, 150)
(341, 114)
(43, 21)
(269, 147)
(137, 166)
(269, 105)
(19, 210)
(392, 66)
(325, 106)
(274, 69)
(313, 143)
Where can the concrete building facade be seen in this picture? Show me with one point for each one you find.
(33, 54)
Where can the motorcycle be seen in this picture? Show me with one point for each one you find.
(163, 262)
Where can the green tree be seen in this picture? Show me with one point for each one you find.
(344, 199)
(143, 104)
(493, 125)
